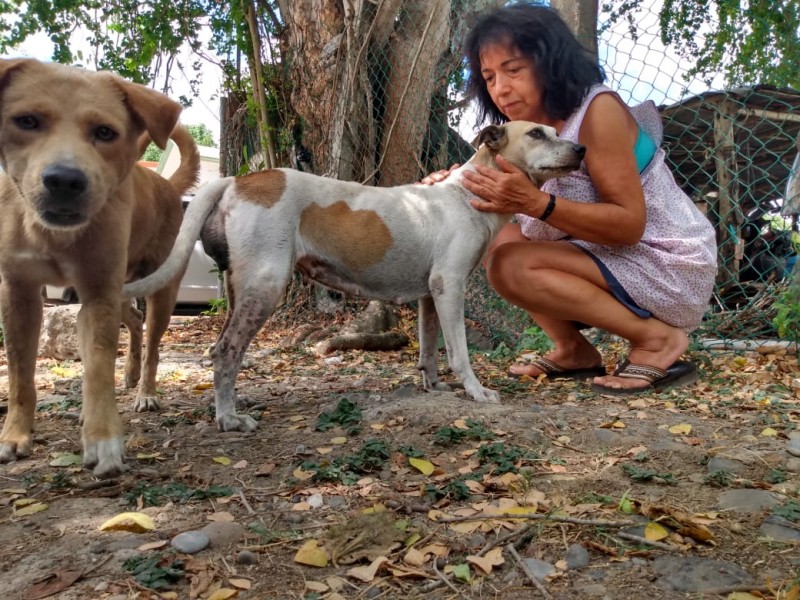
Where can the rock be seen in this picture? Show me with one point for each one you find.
(793, 465)
(221, 534)
(576, 557)
(59, 336)
(606, 436)
(245, 557)
(539, 568)
(747, 501)
(315, 500)
(190, 542)
(780, 529)
(719, 463)
(690, 574)
(793, 447)
(593, 590)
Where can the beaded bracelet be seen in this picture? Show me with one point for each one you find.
(550, 207)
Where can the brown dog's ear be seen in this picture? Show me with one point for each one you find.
(9, 65)
(494, 136)
(158, 114)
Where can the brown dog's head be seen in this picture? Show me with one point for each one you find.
(68, 136)
(534, 148)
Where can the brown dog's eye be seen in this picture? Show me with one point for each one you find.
(105, 134)
(26, 122)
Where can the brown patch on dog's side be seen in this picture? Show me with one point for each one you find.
(334, 230)
(264, 188)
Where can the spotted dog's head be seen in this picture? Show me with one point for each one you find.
(534, 148)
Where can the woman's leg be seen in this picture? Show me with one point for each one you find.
(558, 284)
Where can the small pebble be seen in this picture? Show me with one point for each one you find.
(190, 542)
(245, 557)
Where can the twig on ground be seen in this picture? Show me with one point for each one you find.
(540, 517)
(445, 579)
(504, 538)
(646, 542)
(537, 584)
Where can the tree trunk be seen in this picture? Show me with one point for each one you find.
(581, 17)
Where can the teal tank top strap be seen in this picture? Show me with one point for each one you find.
(644, 149)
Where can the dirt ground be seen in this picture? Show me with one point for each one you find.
(396, 493)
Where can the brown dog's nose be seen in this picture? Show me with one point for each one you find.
(64, 182)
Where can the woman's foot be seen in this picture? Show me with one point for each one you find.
(560, 363)
(660, 351)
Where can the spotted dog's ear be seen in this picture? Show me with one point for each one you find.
(494, 136)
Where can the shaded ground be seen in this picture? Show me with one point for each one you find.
(704, 474)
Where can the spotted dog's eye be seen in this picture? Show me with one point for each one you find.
(27, 122)
(536, 134)
(105, 134)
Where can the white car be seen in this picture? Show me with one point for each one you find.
(199, 286)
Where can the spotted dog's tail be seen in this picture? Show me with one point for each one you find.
(193, 219)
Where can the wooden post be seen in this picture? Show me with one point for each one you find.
(731, 245)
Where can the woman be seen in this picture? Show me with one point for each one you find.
(616, 245)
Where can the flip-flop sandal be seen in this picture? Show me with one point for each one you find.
(555, 371)
(678, 374)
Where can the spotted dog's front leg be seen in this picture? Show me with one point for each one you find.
(428, 340)
(448, 296)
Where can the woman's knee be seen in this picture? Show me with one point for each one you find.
(504, 268)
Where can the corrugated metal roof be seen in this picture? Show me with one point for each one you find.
(767, 125)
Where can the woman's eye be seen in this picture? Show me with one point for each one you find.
(105, 134)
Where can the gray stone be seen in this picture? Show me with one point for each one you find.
(719, 463)
(793, 465)
(539, 568)
(793, 447)
(606, 436)
(747, 501)
(593, 590)
(222, 534)
(691, 574)
(577, 557)
(780, 529)
(190, 542)
(246, 557)
(59, 335)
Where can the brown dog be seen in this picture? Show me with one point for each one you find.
(78, 211)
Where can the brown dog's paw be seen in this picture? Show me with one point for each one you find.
(146, 404)
(14, 447)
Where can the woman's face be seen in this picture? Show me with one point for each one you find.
(511, 82)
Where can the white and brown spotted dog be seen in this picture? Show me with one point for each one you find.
(399, 244)
(77, 211)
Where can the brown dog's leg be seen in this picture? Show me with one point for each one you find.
(159, 311)
(132, 318)
(21, 309)
(98, 336)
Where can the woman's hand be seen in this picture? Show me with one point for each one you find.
(507, 190)
(438, 176)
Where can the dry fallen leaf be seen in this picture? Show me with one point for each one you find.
(312, 554)
(682, 429)
(223, 594)
(367, 574)
(423, 466)
(655, 531)
(133, 522)
(491, 559)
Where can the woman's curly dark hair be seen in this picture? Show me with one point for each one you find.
(565, 69)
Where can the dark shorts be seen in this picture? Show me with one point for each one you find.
(616, 289)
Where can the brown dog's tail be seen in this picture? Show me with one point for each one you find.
(185, 178)
(193, 220)
(188, 173)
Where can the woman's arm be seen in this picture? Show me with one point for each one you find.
(609, 133)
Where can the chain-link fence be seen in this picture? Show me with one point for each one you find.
(376, 91)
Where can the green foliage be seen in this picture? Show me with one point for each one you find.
(643, 474)
(155, 571)
(748, 42)
(447, 436)
(346, 414)
(535, 340)
(789, 511)
(175, 492)
(504, 458)
(787, 305)
(372, 456)
(216, 306)
(720, 478)
(202, 135)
